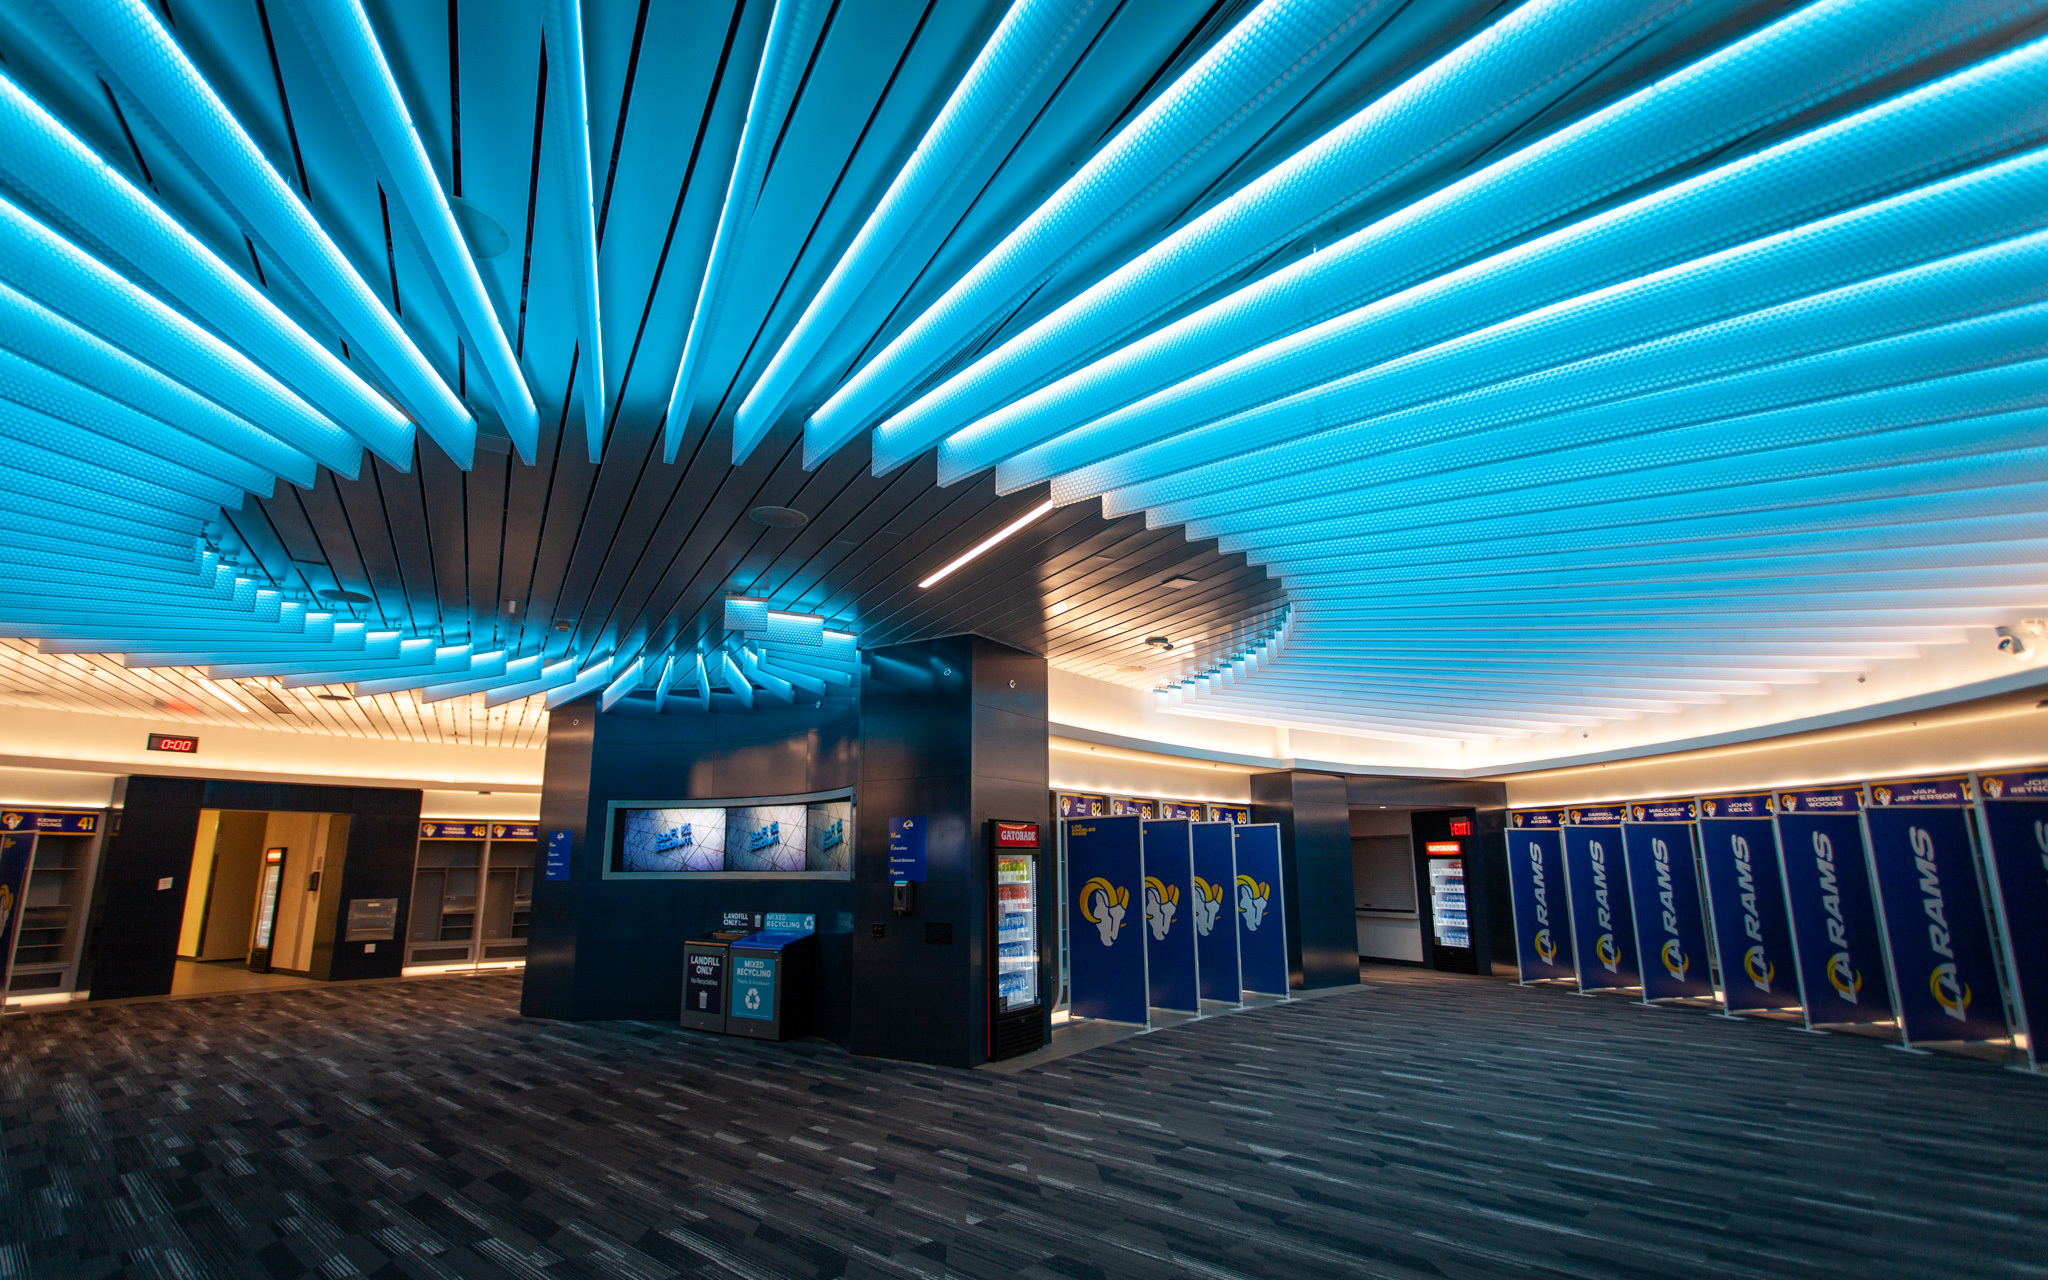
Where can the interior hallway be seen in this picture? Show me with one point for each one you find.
(1425, 1125)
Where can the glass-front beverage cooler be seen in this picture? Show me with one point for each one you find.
(1016, 1002)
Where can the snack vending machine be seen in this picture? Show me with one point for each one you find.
(1016, 1001)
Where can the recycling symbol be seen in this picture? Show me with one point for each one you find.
(753, 997)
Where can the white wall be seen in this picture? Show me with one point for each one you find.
(1081, 766)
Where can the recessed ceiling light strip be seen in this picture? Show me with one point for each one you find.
(988, 543)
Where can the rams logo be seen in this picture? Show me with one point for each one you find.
(1760, 970)
(1546, 948)
(1883, 794)
(1676, 962)
(1951, 992)
(1845, 980)
(1161, 901)
(1607, 953)
(10, 820)
(1252, 899)
(1103, 905)
(1994, 787)
(6, 905)
(1208, 905)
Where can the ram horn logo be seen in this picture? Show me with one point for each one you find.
(1607, 953)
(1951, 992)
(1161, 901)
(6, 905)
(1883, 794)
(1103, 905)
(1760, 970)
(1845, 980)
(1208, 905)
(1639, 813)
(1711, 806)
(1546, 950)
(1994, 787)
(1252, 899)
(1676, 962)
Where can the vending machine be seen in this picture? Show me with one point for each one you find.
(1016, 1001)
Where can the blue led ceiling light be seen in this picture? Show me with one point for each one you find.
(1013, 61)
(144, 62)
(790, 36)
(1455, 106)
(568, 103)
(70, 183)
(1221, 91)
(1171, 379)
(338, 35)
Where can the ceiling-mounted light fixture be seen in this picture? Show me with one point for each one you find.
(1160, 642)
(979, 548)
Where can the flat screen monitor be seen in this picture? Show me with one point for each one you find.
(752, 837)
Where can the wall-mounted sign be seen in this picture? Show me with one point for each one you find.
(1016, 835)
(1538, 818)
(182, 743)
(1461, 826)
(2014, 786)
(906, 850)
(1921, 791)
(1606, 815)
(1663, 811)
(1443, 848)
(1827, 800)
(1180, 809)
(1750, 806)
(1075, 805)
(453, 830)
(1235, 813)
(49, 823)
(556, 866)
(514, 831)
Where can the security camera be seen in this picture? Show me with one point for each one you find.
(2011, 642)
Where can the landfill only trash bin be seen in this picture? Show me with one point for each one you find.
(707, 967)
(771, 986)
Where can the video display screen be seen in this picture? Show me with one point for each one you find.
(671, 840)
(751, 839)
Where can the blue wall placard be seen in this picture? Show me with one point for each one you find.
(1935, 924)
(2017, 834)
(1834, 924)
(1664, 811)
(906, 850)
(1261, 909)
(1536, 818)
(556, 864)
(1740, 858)
(1215, 909)
(50, 821)
(1921, 791)
(1172, 977)
(1543, 939)
(1664, 897)
(16, 848)
(1757, 805)
(1603, 937)
(1106, 922)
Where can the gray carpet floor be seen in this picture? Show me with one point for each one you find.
(1426, 1126)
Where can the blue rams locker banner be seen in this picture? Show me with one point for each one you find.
(2016, 832)
(1543, 942)
(1170, 963)
(1106, 933)
(1215, 896)
(1934, 923)
(1603, 936)
(1664, 897)
(16, 847)
(1827, 899)
(1740, 857)
(1261, 909)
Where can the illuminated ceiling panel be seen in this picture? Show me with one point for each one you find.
(484, 351)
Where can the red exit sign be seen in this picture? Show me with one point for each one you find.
(1461, 826)
(1016, 835)
(181, 743)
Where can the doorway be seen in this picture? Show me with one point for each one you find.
(261, 892)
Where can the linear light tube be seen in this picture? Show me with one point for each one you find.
(149, 67)
(340, 38)
(775, 82)
(1455, 106)
(1530, 357)
(1011, 63)
(49, 268)
(1277, 41)
(980, 548)
(568, 99)
(70, 182)
(1170, 379)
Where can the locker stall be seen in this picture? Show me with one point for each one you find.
(472, 893)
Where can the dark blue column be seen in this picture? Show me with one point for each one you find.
(953, 731)
(1315, 854)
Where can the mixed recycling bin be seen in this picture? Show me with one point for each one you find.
(771, 984)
